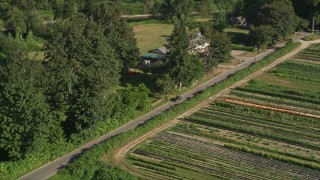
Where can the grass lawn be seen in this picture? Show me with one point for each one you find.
(236, 30)
(152, 36)
(38, 56)
(202, 19)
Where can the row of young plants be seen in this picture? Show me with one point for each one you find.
(276, 101)
(252, 142)
(265, 117)
(234, 125)
(182, 163)
(256, 148)
(300, 67)
(266, 114)
(309, 55)
(193, 159)
(298, 71)
(225, 163)
(90, 161)
(312, 52)
(260, 122)
(280, 95)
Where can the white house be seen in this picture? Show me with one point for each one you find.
(198, 44)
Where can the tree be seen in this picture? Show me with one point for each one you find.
(183, 67)
(219, 49)
(130, 100)
(262, 36)
(219, 21)
(165, 84)
(63, 9)
(177, 9)
(252, 8)
(205, 7)
(20, 15)
(82, 70)
(117, 31)
(26, 120)
(280, 15)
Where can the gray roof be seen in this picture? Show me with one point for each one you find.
(163, 49)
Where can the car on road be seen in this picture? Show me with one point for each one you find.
(177, 99)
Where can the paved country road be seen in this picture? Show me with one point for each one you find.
(53, 167)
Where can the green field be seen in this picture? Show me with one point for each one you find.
(152, 36)
(226, 140)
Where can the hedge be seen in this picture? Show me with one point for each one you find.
(90, 163)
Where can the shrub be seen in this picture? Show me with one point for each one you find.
(312, 37)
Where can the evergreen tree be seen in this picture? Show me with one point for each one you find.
(177, 9)
(83, 70)
(117, 31)
(26, 120)
(183, 67)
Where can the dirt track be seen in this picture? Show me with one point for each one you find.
(119, 156)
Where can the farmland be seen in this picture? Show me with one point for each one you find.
(269, 127)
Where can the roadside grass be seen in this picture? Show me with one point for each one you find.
(152, 36)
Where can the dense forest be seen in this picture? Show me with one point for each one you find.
(75, 88)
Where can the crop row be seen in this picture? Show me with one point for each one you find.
(270, 108)
(277, 101)
(313, 51)
(280, 95)
(298, 67)
(250, 128)
(212, 166)
(265, 114)
(261, 122)
(194, 151)
(274, 152)
(254, 117)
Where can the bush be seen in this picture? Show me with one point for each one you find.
(312, 37)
